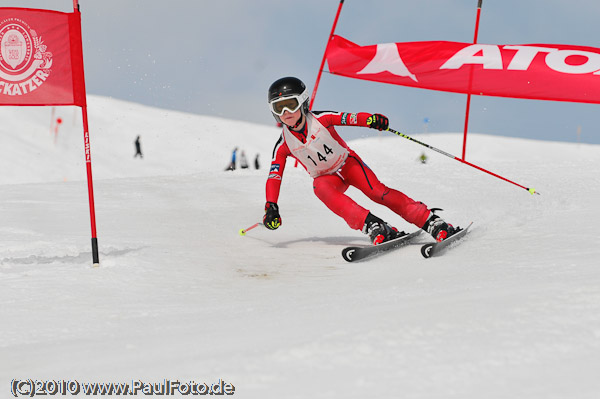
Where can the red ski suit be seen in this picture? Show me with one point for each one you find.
(319, 152)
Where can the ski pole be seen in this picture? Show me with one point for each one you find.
(531, 190)
(247, 229)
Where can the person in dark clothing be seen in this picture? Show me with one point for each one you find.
(256, 162)
(138, 148)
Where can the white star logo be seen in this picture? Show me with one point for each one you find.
(387, 59)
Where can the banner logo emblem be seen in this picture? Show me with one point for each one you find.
(387, 59)
(24, 60)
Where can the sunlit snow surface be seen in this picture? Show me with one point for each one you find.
(513, 312)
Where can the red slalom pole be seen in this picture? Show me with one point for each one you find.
(88, 165)
(530, 190)
(468, 108)
(88, 156)
(314, 93)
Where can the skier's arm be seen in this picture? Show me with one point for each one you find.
(272, 219)
(274, 181)
(280, 154)
(364, 119)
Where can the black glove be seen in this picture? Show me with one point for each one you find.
(378, 121)
(271, 220)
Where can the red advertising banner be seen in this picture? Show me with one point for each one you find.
(533, 71)
(41, 61)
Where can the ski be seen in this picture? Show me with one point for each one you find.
(434, 248)
(352, 254)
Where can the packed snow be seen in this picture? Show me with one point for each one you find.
(512, 312)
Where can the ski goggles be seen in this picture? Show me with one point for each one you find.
(290, 103)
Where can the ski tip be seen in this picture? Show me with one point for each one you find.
(464, 228)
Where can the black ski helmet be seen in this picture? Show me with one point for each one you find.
(289, 86)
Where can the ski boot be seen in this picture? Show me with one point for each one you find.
(379, 231)
(438, 228)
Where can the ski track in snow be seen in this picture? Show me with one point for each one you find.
(514, 311)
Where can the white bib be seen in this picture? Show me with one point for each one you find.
(321, 154)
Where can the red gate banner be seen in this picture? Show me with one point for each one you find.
(41, 62)
(533, 71)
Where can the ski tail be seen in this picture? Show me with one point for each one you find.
(434, 248)
(356, 253)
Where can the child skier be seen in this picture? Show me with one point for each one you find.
(310, 138)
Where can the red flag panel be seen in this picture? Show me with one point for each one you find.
(532, 71)
(41, 61)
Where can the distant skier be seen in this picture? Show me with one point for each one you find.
(310, 138)
(243, 161)
(138, 148)
(256, 162)
(233, 160)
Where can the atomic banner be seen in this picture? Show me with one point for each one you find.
(41, 61)
(531, 71)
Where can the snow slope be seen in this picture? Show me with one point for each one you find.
(514, 312)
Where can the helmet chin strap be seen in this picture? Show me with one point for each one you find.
(299, 121)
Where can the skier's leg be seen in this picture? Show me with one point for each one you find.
(359, 175)
(330, 190)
